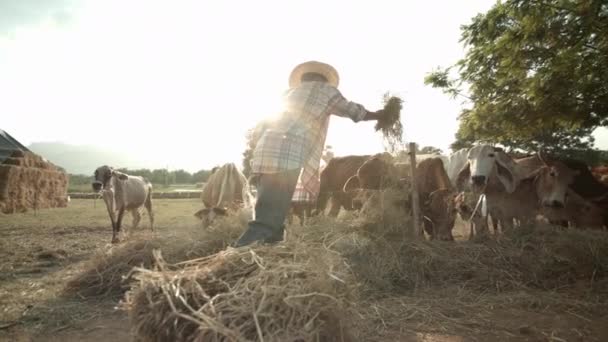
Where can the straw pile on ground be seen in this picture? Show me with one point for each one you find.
(363, 268)
(364, 272)
(290, 292)
(29, 182)
(109, 273)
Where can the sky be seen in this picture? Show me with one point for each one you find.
(178, 83)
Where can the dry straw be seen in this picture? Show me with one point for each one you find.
(351, 277)
(291, 292)
(390, 122)
(109, 273)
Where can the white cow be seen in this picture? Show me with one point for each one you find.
(515, 189)
(122, 192)
(470, 169)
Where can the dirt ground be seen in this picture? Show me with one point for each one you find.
(40, 251)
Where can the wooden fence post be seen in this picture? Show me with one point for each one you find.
(418, 233)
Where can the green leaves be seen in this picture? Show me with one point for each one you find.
(537, 74)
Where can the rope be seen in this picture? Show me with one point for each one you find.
(484, 210)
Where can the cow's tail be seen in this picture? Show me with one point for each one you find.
(148, 201)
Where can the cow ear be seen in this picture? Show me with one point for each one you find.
(120, 175)
(201, 213)
(534, 173)
(220, 211)
(505, 167)
(352, 184)
(543, 157)
(462, 176)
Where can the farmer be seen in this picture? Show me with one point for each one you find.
(292, 145)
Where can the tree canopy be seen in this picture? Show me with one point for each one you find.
(536, 75)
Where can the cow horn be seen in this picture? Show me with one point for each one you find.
(543, 156)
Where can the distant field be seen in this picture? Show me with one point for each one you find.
(156, 187)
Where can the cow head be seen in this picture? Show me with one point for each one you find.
(552, 181)
(378, 172)
(469, 208)
(208, 215)
(102, 177)
(464, 206)
(483, 162)
(440, 214)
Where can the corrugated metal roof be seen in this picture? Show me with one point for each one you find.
(9, 144)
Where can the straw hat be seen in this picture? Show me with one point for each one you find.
(316, 67)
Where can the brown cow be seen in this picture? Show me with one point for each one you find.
(301, 210)
(469, 207)
(545, 186)
(434, 187)
(437, 197)
(333, 178)
(439, 214)
(579, 212)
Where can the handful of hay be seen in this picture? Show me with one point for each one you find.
(390, 122)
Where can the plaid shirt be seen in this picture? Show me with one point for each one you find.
(296, 139)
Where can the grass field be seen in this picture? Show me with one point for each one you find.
(40, 251)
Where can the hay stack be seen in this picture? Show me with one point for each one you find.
(288, 292)
(27, 181)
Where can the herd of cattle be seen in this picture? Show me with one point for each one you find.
(477, 183)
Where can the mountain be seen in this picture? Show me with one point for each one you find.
(84, 159)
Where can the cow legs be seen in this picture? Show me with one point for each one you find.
(494, 225)
(301, 217)
(562, 223)
(116, 227)
(113, 221)
(506, 223)
(290, 216)
(298, 210)
(334, 208)
(148, 205)
(471, 230)
(136, 218)
(308, 210)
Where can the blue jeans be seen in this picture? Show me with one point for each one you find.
(273, 201)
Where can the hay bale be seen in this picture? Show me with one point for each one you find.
(27, 181)
(290, 292)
